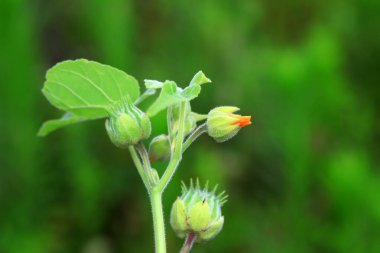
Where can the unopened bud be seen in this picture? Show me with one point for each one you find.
(127, 124)
(159, 148)
(223, 124)
(198, 212)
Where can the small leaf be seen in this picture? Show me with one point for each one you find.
(52, 125)
(153, 84)
(198, 116)
(200, 78)
(171, 94)
(86, 88)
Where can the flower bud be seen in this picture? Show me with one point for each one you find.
(198, 211)
(159, 148)
(127, 124)
(222, 124)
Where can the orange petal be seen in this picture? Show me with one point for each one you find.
(243, 121)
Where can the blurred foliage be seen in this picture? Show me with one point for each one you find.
(303, 178)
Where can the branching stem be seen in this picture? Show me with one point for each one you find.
(156, 190)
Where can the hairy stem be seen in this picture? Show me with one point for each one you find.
(139, 166)
(146, 163)
(190, 239)
(177, 153)
(194, 135)
(169, 118)
(158, 220)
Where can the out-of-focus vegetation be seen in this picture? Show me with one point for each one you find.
(304, 178)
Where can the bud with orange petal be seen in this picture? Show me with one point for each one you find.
(223, 124)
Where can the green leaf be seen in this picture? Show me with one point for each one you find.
(86, 88)
(52, 125)
(198, 116)
(171, 94)
(153, 84)
(200, 78)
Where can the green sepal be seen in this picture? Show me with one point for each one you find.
(178, 218)
(199, 216)
(212, 231)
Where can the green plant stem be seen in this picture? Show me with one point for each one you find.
(169, 118)
(139, 166)
(158, 220)
(157, 190)
(194, 135)
(146, 163)
(190, 239)
(177, 153)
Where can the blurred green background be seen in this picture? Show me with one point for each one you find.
(303, 178)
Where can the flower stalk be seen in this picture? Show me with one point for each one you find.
(189, 242)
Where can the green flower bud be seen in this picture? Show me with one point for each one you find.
(159, 148)
(127, 124)
(222, 124)
(198, 211)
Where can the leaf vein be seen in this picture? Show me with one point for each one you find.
(116, 83)
(89, 81)
(72, 92)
